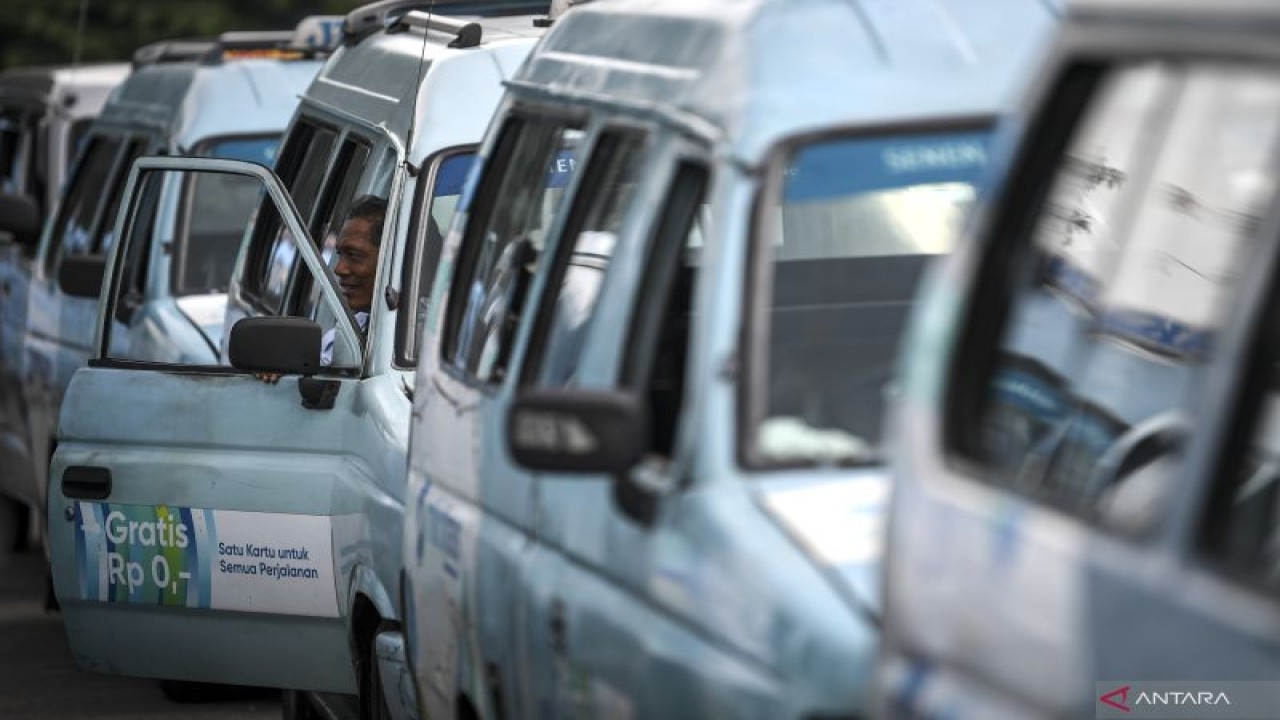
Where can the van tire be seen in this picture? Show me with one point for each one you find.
(374, 702)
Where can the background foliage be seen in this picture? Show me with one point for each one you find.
(43, 32)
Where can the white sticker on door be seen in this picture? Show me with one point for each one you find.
(215, 559)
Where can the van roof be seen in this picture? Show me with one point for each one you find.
(78, 90)
(758, 70)
(386, 76)
(189, 101)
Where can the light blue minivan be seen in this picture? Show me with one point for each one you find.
(645, 477)
(218, 98)
(44, 114)
(209, 526)
(1086, 516)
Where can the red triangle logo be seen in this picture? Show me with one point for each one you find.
(1118, 698)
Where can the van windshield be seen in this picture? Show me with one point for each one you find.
(844, 244)
(217, 209)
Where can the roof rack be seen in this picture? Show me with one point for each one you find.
(172, 51)
(467, 34)
(314, 35)
(389, 14)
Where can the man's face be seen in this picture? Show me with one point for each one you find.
(357, 263)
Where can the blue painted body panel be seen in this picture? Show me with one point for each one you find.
(753, 593)
(241, 446)
(169, 108)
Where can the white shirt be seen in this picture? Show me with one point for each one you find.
(330, 336)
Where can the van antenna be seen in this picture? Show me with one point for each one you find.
(422, 62)
(78, 44)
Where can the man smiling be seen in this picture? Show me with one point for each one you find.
(359, 243)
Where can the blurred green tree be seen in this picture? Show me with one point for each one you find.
(43, 32)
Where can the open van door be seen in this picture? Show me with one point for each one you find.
(193, 508)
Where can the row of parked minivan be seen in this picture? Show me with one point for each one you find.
(554, 365)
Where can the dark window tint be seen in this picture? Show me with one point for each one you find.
(301, 167)
(433, 215)
(79, 211)
(218, 208)
(10, 156)
(1124, 282)
(663, 318)
(107, 232)
(521, 191)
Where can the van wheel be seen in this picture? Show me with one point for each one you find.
(295, 706)
(373, 703)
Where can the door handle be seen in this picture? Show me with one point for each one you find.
(84, 482)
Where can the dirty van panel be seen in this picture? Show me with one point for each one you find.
(211, 505)
(838, 262)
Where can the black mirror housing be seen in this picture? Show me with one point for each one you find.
(81, 275)
(577, 431)
(286, 345)
(20, 217)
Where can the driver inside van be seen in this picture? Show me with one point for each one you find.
(359, 243)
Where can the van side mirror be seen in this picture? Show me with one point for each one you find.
(286, 345)
(577, 431)
(20, 217)
(81, 275)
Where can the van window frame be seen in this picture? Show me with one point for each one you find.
(666, 255)
(1025, 187)
(483, 195)
(757, 292)
(116, 177)
(299, 296)
(407, 357)
(260, 251)
(577, 208)
(1251, 378)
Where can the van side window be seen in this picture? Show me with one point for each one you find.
(326, 221)
(433, 212)
(656, 363)
(581, 263)
(1121, 286)
(79, 210)
(302, 163)
(518, 198)
(107, 231)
